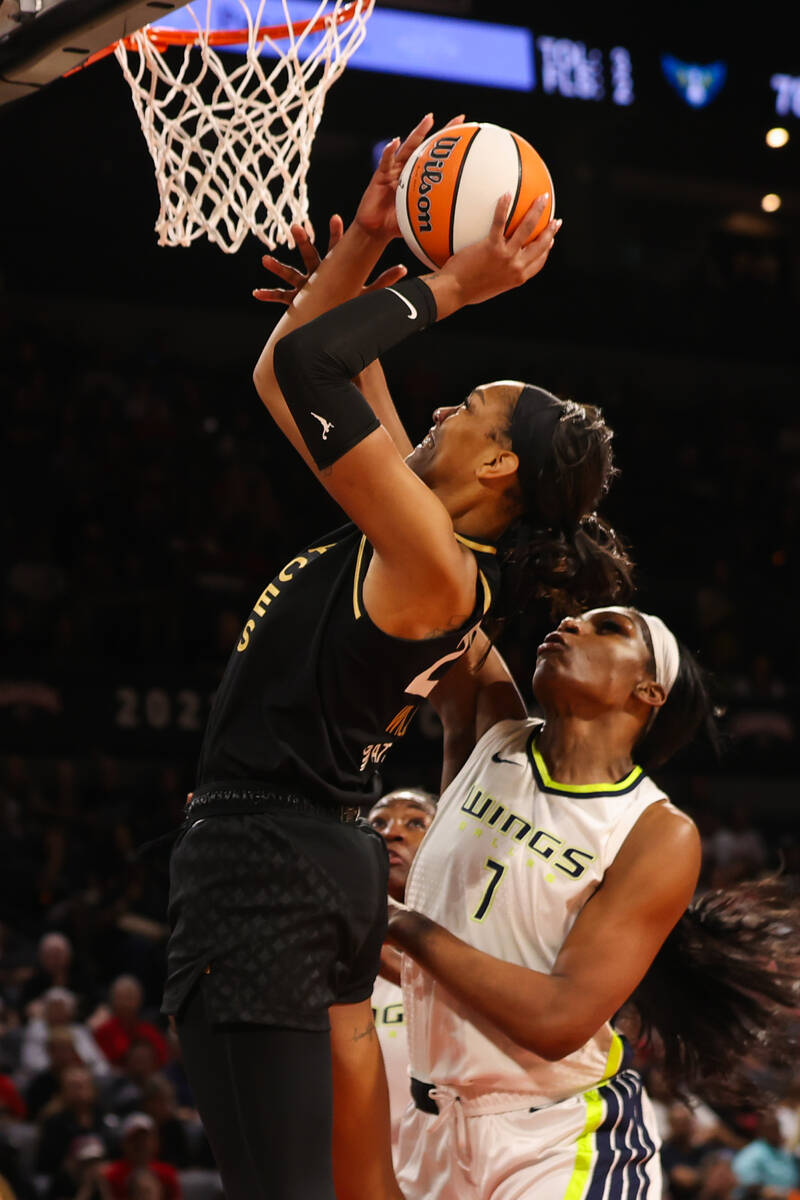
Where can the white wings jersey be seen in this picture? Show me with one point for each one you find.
(507, 865)
(387, 1008)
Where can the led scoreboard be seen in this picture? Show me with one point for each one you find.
(541, 59)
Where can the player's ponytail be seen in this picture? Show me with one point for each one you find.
(725, 984)
(687, 712)
(560, 548)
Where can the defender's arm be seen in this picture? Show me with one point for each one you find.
(642, 897)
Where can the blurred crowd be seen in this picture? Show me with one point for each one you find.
(94, 1102)
(151, 503)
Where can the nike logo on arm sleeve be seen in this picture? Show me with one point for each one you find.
(412, 312)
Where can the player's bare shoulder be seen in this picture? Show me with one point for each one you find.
(670, 824)
(659, 861)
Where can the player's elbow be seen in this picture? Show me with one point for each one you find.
(288, 356)
(280, 371)
(554, 1046)
(548, 1044)
(259, 378)
(559, 1035)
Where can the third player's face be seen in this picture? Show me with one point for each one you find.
(402, 824)
(592, 662)
(462, 437)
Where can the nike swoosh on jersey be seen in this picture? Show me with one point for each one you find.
(412, 312)
(511, 761)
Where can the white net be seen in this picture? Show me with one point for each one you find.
(231, 138)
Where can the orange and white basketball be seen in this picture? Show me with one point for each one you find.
(450, 186)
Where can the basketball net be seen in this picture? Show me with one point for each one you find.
(231, 139)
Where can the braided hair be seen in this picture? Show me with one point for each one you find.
(559, 548)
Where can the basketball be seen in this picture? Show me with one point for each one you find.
(450, 186)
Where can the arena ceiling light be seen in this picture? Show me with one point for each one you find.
(777, 137)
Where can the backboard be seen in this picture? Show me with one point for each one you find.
(43, 39)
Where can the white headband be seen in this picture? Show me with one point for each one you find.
(665, 648)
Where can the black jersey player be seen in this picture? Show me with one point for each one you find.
(277, 903)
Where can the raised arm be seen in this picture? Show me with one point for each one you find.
(353, 456)
(341, 275)
(473, 696)
(643, 895)
(371, 382)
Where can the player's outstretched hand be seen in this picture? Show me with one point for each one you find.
(375, 214)
(497, 263)
(297, 280)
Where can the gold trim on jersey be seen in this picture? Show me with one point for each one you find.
(487, 592)
(582, 789)
(465, 541)
(359, 557)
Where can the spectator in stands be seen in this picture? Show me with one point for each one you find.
(139, 1145)
(44, 1085)
(124, 1094)
(765, 1164)
(10, 1038)
(125, 1025)
(788, 1115)
(73, 1112)
(56, 967)
(11, 1103)
(761, 716)
(144, 1185)
(81, 1174)
(173, 1139)
(736, 849)
(719, 1181)
(16, 952)
(59, 1008)
(681, 1155)
(17, 1137)
(14, 1184)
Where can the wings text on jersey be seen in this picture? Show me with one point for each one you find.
(482, 806)
(388, 1014)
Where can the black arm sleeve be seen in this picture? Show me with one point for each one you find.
(314, 365)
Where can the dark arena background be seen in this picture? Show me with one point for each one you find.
(149, 498)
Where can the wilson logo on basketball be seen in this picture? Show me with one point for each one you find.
(449, 188)
(431, 174)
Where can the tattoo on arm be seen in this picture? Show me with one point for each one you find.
(367, 1031)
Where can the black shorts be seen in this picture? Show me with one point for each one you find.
(284, 913)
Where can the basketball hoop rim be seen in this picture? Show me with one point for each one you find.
(163, 38)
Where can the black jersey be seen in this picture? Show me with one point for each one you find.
(314, 694)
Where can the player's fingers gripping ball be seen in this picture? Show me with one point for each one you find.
(450, 186)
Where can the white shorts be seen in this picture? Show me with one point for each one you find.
(601, 1145)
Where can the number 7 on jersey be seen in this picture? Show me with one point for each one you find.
(498, 870)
